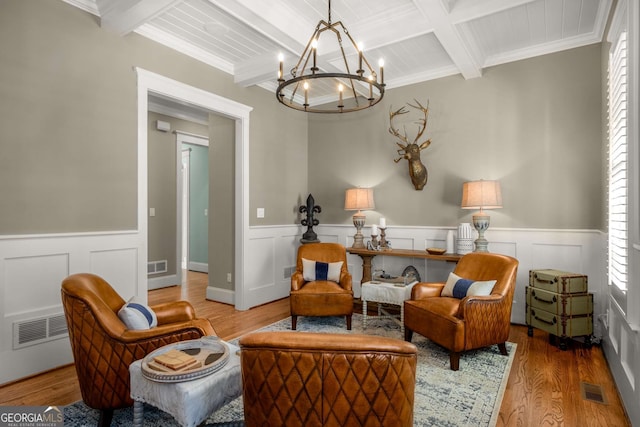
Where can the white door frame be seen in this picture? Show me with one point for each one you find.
(183, 200)
(152, 83)
(183, 138)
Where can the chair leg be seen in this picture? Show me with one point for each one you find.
(348, 322)
(454, 360)
(408, 334)
(105, 418)
(294, 322)
(503, 349)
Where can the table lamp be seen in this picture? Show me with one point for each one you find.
(358, 199)
(481, 195)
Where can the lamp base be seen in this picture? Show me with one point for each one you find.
(358, 239)
(481, 224)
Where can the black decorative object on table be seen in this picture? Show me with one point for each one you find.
(310, 209)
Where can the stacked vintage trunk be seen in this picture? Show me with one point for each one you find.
(559, 302)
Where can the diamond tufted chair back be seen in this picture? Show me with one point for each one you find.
(313, 379)
(103, 347)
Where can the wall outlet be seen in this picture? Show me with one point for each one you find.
(228, 277)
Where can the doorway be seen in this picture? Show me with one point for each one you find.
(154, 84)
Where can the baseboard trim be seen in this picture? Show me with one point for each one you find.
(163, 281)
(200, 267)
(221, 295)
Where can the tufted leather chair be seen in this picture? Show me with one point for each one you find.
(321, 297)
(471, 322)
(312, 379)
(103, 348)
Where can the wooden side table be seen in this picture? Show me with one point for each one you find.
(367, 255)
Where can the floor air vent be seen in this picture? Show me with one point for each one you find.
(592, 392)
(36, 331)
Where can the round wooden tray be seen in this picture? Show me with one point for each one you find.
(210, 351)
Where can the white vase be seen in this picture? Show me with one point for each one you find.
(464, 243)
(450, 248)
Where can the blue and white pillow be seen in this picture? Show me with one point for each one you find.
(316, 270)
(458, 287)
(137, 316)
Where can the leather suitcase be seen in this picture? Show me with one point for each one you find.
(561, 282)
(559, 304)
(562, 327)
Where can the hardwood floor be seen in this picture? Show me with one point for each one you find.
(544, 386)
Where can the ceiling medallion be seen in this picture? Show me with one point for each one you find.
(335, 89)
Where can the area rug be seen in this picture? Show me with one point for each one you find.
(470, 396)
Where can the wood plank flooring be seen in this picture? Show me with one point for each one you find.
(543, 387)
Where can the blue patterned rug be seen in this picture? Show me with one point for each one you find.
(468, 397)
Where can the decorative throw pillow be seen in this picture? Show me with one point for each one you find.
(458, 287)
(316, 270)
(137, 316)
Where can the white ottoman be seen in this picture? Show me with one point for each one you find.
(189, 402)
(385, 293)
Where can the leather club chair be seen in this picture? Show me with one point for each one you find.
(471, 322)
(293, 379)
(321, 297)
(103, 347)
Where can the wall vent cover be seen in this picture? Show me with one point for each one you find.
(155, 267)
(36, 331)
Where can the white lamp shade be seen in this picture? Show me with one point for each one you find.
(356, 199)
(481, 195)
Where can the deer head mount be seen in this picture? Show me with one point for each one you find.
(411, 150)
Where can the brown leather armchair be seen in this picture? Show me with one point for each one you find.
(468, 323)
(313, 379)
(103, 348)
(321, 297)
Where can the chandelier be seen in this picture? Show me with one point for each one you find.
(335, 89)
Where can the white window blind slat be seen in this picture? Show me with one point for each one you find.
(617, 213)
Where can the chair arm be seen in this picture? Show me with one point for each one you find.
(203, 326)
(297, 281)
(172, 312)
(345, 281)
(481, 306)
(424, 290)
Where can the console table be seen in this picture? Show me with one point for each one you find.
(367, 255)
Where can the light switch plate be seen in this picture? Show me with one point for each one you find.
(260, 213)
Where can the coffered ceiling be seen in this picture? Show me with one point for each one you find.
(418, 39)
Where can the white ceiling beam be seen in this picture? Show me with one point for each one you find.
(263, 68)
(125, 16)
(470, 10)
(437, 15)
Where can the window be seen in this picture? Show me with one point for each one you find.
(618, 160)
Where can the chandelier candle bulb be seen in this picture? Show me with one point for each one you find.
(360, 49)
(306, 94)
(340, 89)
(381, 65)
(314, 46)
(370, 88)
(281, 69)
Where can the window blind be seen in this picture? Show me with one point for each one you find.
(618, 240)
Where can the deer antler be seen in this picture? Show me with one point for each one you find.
(422, 123)
(393, 131)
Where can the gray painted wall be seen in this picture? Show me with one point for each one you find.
(68, 124)
(535, 125)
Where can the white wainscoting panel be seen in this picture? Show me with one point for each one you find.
(32, 269)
